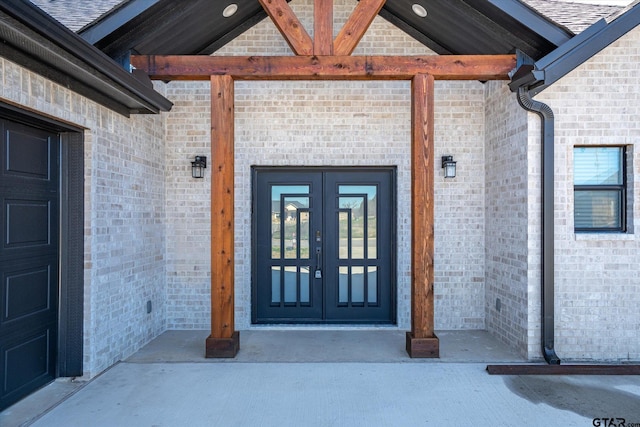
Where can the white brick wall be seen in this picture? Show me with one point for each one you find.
(459, 227)
(508, 219)
(124, 215)
(597, 275)
(188, 204)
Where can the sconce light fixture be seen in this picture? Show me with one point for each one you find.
(449, 167)
(198, 166)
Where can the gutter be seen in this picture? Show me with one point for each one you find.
(548, 285)
(523, 78)
(32, 39)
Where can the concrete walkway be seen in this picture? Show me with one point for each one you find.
(142, 391)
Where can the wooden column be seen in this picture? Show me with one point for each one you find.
(224, 340)
(421, 341)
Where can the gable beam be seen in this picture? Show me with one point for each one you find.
(289, 26)
(355, 27)
(323, 27)
(446, 67)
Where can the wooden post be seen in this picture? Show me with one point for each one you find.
(224, 340)
(421, 341)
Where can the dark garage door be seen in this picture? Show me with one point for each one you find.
(29, 191)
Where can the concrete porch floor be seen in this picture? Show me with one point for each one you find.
(324, 378)
(322, 345)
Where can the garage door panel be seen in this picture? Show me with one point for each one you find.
(28, 222)
(28, 361)
(28, 290)
(28, 152)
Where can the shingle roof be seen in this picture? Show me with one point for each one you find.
(75, 14)
(574, 16)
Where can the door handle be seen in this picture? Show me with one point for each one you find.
(318, 272)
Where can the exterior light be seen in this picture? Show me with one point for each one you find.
(198, 166)
(419, 10)
(449, 167)
(230, 10)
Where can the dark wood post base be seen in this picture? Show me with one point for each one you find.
(223, 347)
(423, 347)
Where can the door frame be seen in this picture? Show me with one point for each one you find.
(392, 170)
(70, 345)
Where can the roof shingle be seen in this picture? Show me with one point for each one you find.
(574, 16)
(75, 14)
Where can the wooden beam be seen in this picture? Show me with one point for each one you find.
(441, 67)
(356, 26)
(289, 26)
(323, 27)
(421, 341)
(224, 340)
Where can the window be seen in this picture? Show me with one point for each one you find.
(599, 188)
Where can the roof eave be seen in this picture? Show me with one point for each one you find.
(535, 21)
(567, 57)
(34, 40)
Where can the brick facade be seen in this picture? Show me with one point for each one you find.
(124, 215)
(508, 175)
(147, 225)
(597, 275)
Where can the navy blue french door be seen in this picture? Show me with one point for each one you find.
(324, 245)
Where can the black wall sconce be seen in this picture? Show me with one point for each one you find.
(449, 167)
(198, 166)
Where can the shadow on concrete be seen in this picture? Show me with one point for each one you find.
(589, 396)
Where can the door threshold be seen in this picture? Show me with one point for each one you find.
(336, 327)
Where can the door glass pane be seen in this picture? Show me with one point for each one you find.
(305, 284)
(372, 285)
(364, 209)
(343, 234)
(290, 284)
(275, 285)
(343, 287)
(372, 231)
(357, 284)
(293, 217)
(275, 236)
(279, 215)
(354, 208)
(305, 236)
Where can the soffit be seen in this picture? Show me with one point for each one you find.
(168, 27)
(32, 39)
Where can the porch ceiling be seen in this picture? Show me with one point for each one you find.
(168, 27)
